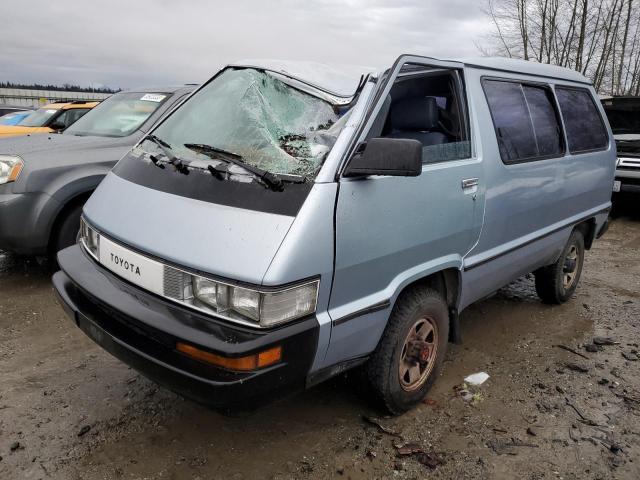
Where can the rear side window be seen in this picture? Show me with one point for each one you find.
(546, 125)
(525, 120)
(582, 121)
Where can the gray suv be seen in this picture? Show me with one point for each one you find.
(46, 178)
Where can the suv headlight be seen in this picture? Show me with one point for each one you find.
(265, 308)
(10, 168)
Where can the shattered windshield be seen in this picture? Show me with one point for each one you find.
(267, 122)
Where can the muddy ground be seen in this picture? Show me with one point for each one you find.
(68, 410)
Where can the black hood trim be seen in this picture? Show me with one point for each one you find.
(202, 185)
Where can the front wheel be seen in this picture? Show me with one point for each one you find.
(67, 229)
(410, 354)
(557, 283)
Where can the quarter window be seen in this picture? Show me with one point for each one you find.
(582, 121)
(525, 120)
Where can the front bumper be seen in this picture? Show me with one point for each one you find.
(21, 231)
(629, 179)
(142, 329)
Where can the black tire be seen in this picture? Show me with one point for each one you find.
(383, 368)
(67, 229)
(551, 284)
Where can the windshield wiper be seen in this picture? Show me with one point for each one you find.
(168, 152)
(271, 180)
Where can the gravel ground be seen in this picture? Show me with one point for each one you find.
(556, 405)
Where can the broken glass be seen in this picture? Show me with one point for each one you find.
(263, 118)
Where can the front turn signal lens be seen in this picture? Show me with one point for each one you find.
(10, 168)
(248, 363)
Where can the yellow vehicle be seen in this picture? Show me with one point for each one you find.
(50, 118)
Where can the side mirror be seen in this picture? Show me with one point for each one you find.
(398, 157)
(57, 126)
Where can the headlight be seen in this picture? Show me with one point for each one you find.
(10, 168)
(265, 308)
(90, 239)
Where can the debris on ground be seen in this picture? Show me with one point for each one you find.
(572, 350)
(576, 367)
(376, 423)
(84, 429)
(15, 446)
(533, 430)
(430, 401)
(428, 459)
(508, 446)
(477, 378)
(604, 341)
(463, 393)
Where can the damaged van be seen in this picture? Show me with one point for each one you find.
(289, 222)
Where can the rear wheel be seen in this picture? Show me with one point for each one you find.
(411, 351)
(67, 230)
(557, 283)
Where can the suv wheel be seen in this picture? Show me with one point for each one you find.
(411, 351)
(556, 283)
(66, 232)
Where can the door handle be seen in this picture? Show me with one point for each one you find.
(469, 182)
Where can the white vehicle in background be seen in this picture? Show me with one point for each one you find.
(624, 116)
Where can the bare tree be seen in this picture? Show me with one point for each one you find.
(598, 39)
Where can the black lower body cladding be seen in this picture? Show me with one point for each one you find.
(142, 330)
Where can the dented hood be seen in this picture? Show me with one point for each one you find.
(217, 239)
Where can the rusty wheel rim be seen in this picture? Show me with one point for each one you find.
(570, 268)
(418, 355)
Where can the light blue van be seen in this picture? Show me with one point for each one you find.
(291, 221)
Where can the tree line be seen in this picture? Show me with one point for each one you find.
(58, 88)
(597, 38)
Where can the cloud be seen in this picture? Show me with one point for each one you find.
(131, 43)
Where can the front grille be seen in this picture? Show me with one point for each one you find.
(174, 283)
(629, 163)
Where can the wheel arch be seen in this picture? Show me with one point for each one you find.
(588, 228)
(70, 204)
(447, 282)
(68, 193)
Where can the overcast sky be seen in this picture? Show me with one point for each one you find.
(130, 43)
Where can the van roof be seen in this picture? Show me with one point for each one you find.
(343, 80)
(526, 67)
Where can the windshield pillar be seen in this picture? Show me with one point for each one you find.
(327, 173)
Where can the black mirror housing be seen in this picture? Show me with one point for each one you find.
(398, 157)
(57, 126)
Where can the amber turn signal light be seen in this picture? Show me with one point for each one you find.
(238, 364)
(15, 171)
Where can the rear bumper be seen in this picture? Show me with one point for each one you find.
(142, 329)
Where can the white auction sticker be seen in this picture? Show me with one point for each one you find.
(153, 97)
